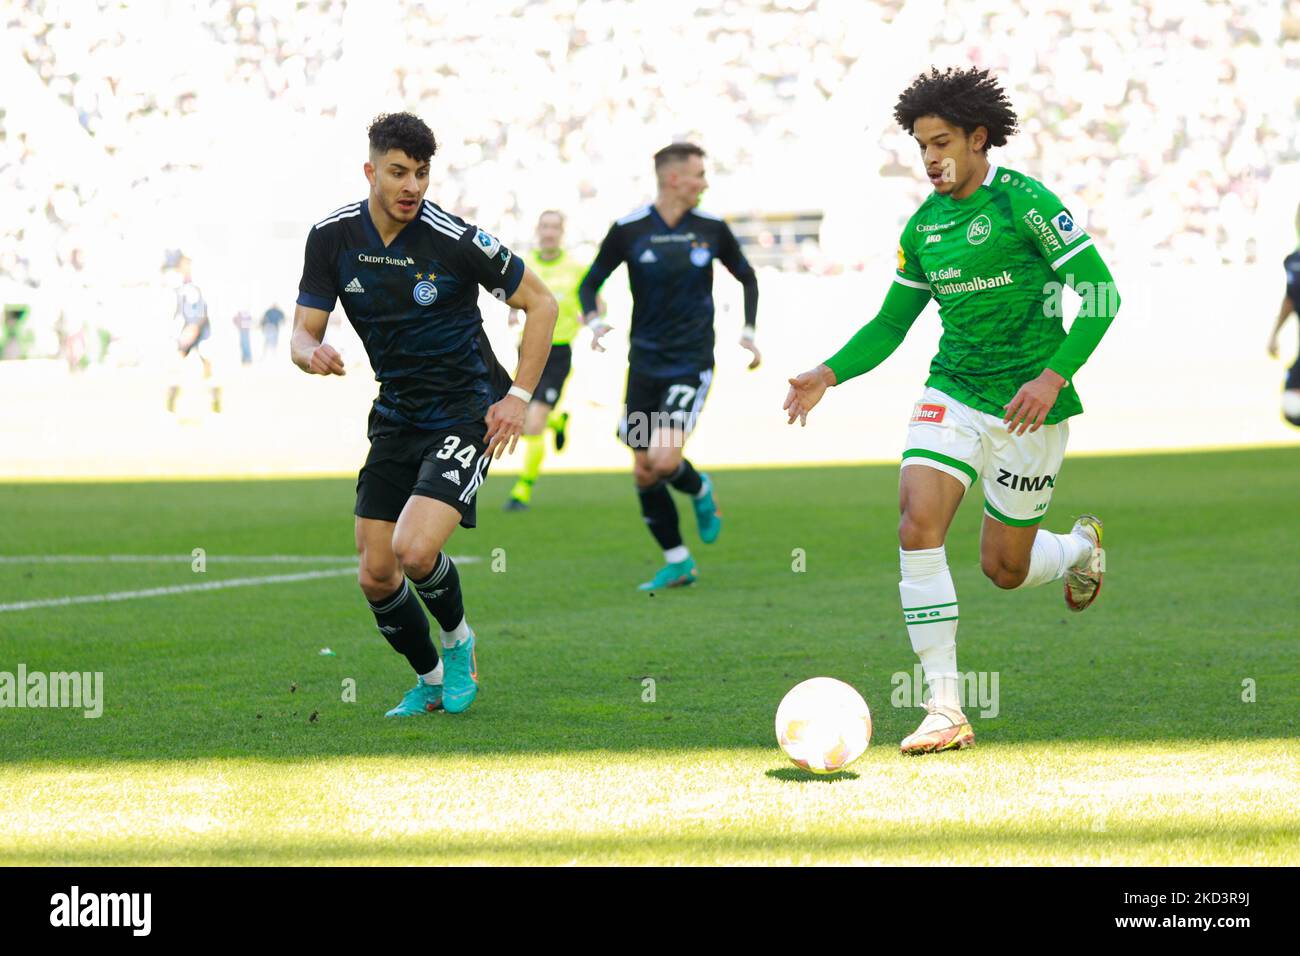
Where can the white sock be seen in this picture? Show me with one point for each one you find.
(674, 555)
(1053, 555)
(930, 612)
(452, 638)
(434, 676)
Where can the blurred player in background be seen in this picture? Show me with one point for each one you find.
(669, 247)
(408, 274)
(992, 246)
(561, 274)
(1290, 305)
(196, 327)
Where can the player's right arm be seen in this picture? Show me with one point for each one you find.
(608, 259)
(317, 293)
(307, 347)
(873, 343)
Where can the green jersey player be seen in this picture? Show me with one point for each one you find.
(993, 247)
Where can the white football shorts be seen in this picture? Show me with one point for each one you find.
(1018, 471)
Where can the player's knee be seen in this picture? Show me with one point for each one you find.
(1004, 572)
(644, 474)
(917, 535)
(535, 419)
(378, 582)
(416, 557)
(1291, 406)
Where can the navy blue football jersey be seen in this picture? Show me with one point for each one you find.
(414, 304)
(671, 275)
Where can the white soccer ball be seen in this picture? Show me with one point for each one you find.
(823, 725)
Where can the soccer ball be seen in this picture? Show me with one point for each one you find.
(823, 725)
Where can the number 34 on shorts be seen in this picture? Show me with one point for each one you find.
(1018, 472)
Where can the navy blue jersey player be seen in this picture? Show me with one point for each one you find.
(1290, 304)
(408, 274)
(669, 248)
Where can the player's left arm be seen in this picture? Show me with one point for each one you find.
(504, 274)
(731, 256)
(1077, 263)
(1283, 313)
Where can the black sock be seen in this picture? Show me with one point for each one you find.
(660, 515)
(402, 622)
(686, 479)
(440, 592)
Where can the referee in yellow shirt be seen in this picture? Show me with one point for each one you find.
(562, 275)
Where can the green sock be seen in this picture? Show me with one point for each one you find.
(534, 451)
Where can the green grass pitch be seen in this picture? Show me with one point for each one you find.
(1122, 737)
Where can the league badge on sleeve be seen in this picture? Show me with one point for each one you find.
(489, 245)
(1066, 227)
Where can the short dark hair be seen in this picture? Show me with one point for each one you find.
(965, 98)
(675, 153)
(404, 131)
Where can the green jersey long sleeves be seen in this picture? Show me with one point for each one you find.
(996, 262)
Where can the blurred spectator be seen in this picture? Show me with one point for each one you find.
(1159, 122)
(244, 323)
(272, 319)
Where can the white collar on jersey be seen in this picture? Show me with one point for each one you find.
(991, 173)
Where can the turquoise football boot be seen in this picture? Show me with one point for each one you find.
(679, 574)
(421, 699)
(459, 676)
(707, 515)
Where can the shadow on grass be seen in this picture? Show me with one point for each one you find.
(795, 775)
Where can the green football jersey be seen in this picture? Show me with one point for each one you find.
(562, 275)
(993, 261)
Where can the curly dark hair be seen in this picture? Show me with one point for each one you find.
(965, 98)
(404, 131)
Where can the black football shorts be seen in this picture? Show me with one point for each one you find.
(447, 465)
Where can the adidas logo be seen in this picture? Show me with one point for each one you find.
(453, 477)
(353, 286)
(648, 256)
(389, 629)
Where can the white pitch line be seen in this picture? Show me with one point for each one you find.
(177, 558)
(175, 589)
(189, 559)
(178, 588)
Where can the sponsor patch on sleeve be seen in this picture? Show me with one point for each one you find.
(488, 244)
(928, 413)
(1066, 227)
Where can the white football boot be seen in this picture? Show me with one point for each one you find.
(1083, 584)
(944, 728)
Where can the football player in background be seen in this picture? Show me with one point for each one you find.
(1290, 304)
(561, 274)
(196, 327)
(669, 247)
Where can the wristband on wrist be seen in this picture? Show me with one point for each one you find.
(520, 394)
(747, 333)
